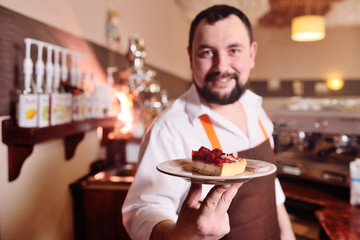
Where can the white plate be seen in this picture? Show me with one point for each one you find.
(182, 168)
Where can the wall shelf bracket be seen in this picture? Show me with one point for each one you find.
(21, 141)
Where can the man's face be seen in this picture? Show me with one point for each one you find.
(221, 59)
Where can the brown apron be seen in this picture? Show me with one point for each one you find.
(253, 212)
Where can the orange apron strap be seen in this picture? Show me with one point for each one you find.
(263, 129)
(209, 129)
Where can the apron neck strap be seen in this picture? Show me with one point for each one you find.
(210, 131)
(263, 129)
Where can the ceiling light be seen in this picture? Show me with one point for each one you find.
(308, 28)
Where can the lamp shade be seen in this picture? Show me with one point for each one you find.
(308, 28)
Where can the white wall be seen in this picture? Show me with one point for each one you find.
(38, 205)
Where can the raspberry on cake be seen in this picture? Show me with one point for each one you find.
(216, 163)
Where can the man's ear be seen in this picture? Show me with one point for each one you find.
(190, 56)
(189, 53)
(253, 51)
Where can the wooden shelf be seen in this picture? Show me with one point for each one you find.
(21, 141)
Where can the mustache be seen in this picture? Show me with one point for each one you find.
(215, 76)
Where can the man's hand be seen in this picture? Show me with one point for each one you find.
(201, 220)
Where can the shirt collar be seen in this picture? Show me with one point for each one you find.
(194, 105)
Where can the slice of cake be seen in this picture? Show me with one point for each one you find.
(216, 163)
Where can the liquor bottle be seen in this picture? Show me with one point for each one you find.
(78, 105)
(27, 104)
(43, 96)
(57, 112)
(66, 88)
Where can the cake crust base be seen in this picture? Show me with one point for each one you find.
(223, 170)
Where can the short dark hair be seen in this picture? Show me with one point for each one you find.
(216, 13)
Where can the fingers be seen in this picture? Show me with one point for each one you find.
(207, 218)
(226, 198)
(192, 199)
(217, 201)
(219, 198)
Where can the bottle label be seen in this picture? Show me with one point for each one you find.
(82, 107)
(57, 109)
(88, 108)
(67, 97)
(78, 107)
(28, 110)
(44, 111)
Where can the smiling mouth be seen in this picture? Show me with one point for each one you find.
(223, 80)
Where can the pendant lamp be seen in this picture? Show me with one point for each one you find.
(308, 28)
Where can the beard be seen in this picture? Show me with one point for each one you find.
(211, 96)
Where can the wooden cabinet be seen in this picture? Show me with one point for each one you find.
(97, 210)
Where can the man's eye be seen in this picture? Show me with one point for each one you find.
(234, 51)
(206, 53)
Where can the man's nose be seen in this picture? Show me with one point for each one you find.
(221, 62)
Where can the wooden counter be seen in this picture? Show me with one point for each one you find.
(337, 218)
(340, 223)
(315, 193)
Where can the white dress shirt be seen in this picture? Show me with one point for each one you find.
(154, 196)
